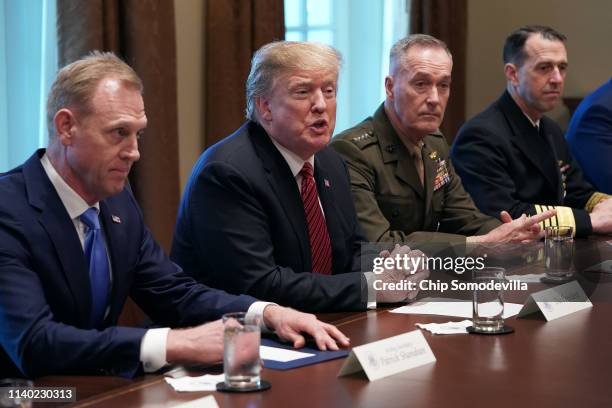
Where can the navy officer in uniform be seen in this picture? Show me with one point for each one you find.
(511, 157)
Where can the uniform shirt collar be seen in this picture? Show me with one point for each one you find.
(415, 149)
(536, 124)
(73, 202)
(294, 161)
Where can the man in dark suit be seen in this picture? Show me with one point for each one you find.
(268, 210)
(73, 246)
(589, 136)
(511, 157)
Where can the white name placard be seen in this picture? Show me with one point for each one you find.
(557, 302)
(389, 356)
(605, 267)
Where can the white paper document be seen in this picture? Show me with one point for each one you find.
(446, 328)
(527, 278)
(282, 355)
(206, 402)
(206, 382)
(454, 309)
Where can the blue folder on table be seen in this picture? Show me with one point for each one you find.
(318, 357)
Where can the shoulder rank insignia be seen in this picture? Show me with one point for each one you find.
(362, 137)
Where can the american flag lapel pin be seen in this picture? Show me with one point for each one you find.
(116, 219)
(326, 182)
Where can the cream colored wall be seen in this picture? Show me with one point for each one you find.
(587, 24)
(189, 17)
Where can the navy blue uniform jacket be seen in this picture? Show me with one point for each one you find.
(505, 163)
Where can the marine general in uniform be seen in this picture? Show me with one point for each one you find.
(403, 183)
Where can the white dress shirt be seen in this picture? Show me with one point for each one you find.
(536, 124)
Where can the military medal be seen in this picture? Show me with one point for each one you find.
(442, 175)
(563, 169)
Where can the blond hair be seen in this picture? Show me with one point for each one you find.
(277, 58)
(76, 83)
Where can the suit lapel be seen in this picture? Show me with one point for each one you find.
(330, 206)
(527, 139)
(55, 220)
(393, 150)
(547, 135)
(406, 171)
(283, 184)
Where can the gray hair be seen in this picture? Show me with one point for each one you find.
(401, 47)
(277, 58)
(76, 83)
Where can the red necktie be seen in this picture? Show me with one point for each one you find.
(320, 247)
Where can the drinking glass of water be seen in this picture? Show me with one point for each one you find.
(559, 252)
(241, 364)
(488, 302)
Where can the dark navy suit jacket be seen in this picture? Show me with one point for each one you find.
(505, 163)
(241, 226)
(44, 283)
(589, 135)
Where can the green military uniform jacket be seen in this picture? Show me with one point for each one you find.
(391, 203)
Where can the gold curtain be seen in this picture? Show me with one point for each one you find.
(446, 20)
(234, 29)
(142, 33)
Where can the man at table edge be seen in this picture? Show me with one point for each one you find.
(74, 246)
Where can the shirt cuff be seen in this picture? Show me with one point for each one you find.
(255, 315)
(371, 302)
(153, 349)
(595, 199)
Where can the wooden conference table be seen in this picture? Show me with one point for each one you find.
(562, 363)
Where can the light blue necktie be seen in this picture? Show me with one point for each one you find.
(97, 260)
